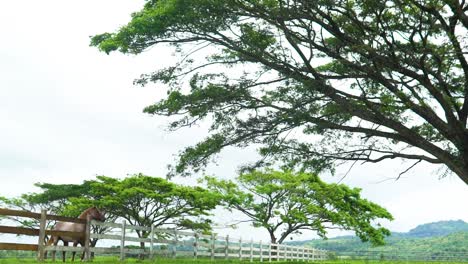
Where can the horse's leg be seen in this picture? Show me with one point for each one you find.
(83, 254)
(53, 240)
(65, 244)
(74, 252)
(48, 243)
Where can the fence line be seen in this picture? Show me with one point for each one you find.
(192, 244)
(404, 255)
(182, 243)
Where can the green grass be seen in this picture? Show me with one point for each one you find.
(108, 260)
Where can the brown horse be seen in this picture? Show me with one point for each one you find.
(92, 214)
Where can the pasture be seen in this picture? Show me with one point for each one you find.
(108, 260)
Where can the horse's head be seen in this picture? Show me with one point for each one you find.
(95, 214)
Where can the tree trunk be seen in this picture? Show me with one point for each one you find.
(460, 168)
(273, 247)
(464, 174)
(142, 234)
(142, 246)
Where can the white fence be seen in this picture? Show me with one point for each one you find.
(402, 254)
(174, 243)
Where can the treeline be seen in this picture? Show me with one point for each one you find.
(283, 203)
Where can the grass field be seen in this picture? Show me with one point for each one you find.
(108, 260)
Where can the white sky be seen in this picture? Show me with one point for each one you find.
(69, 112)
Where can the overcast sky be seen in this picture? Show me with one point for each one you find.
(69, 113)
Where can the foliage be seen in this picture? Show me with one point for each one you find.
(141, 200)
(144, 200)
(311, 82)
(56, 199)
(286, 203)
(53, 199)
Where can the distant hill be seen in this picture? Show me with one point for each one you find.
(450, 236)
(441, 228)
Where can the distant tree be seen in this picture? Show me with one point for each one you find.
(286, 203)
(311, 82)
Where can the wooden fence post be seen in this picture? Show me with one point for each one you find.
(152, 242)
(278, 249)
(212, 246)
(285, 248)
(174, 247)
(261, 251)
(122, 241)
(240, 248)
(293, 253)
(285, 253)
(87, 234)
(40, 243)
(251, 250)
(226, 249)
(269, 252)
(195, 247)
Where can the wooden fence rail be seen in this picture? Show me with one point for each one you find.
(173, 243)
(192, 244)
(41, 233)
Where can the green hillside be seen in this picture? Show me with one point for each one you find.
(441, 228)
(451, 243)
(443, 236)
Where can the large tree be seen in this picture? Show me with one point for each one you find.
(373, 80)
(286, 203)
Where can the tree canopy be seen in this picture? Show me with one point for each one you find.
(53, 197)
(286, 203)
(311, 82)
(139, 199)
(144, 201)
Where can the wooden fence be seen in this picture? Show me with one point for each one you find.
(160, 242)
(174, 243)
(42, 232)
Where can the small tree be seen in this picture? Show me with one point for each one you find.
(286, 203)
